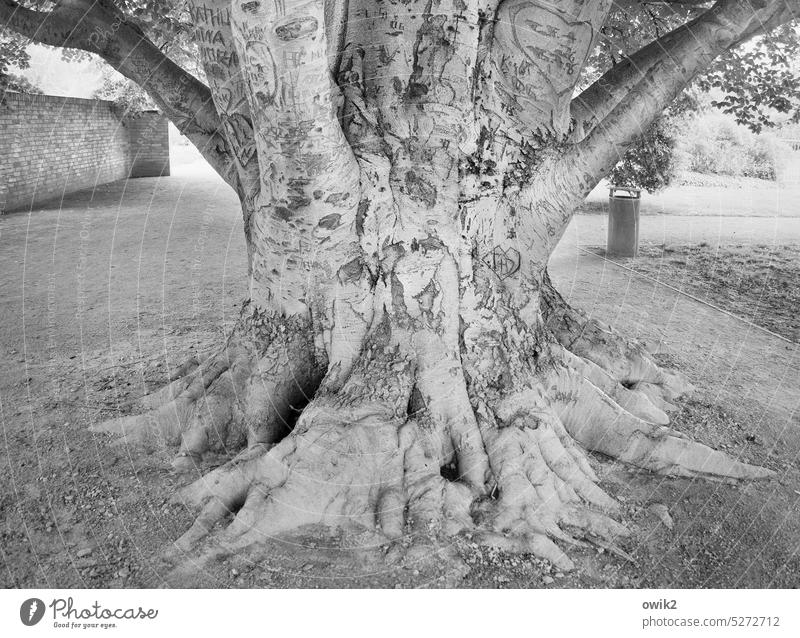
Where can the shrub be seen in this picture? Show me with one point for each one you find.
(650, 162)
(760, 160)
(715, 144)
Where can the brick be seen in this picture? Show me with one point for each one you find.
(47, 142)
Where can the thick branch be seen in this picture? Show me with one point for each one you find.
(568, 176)
(595, 103)
(101, 29)
(598, 100)
(685, 55)
(223, 68)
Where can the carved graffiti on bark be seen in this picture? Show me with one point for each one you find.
(543, 48)
(504, 262)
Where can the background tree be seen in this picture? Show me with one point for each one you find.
(127, 95)
(405, 170)
(759, 81)
(650, 163)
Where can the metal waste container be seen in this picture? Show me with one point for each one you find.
(623, 221)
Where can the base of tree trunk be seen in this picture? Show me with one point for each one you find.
(247, 393)
(367, 454)
(404, 177)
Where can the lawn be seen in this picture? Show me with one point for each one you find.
(758, 283)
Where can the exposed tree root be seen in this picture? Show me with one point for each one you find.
(246, 394)
(400, 446)
(370, 457)
(614, 399)
(623, 360)
(600, 424)
(353, 460)
(547, 491)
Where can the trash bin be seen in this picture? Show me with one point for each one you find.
(623, 221)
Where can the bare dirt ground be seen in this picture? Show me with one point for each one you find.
(102, 294)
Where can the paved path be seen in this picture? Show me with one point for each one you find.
(133, 261)
(172, 246)
(735, 197)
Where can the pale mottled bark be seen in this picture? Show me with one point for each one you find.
(406, 171)
(537, 54)
(224, 71)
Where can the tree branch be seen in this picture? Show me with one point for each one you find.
(595, 103)
(685, 54)
(214, 38)
(567, 177)
(98, 27)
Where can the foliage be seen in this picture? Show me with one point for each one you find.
(17, 83)
(715, 143)
(651, 163)
(13, 54)
(630, 25)
(759, 80)
(165, 22)
(127, 95)
(756, 82)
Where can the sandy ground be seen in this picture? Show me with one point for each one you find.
(103, 292)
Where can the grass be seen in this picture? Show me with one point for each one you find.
(758, 283)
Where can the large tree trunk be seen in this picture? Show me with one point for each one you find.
(398, 227)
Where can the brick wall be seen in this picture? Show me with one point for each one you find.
(148, 136)
(50, 146)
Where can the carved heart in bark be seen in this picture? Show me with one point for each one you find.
(503, 261)
(543, 48)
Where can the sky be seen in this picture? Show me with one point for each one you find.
(55, 76)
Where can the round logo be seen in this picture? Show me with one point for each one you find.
(31, 611)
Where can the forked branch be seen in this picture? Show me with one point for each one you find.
(684, 54)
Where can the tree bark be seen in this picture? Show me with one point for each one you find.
(406, 170)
